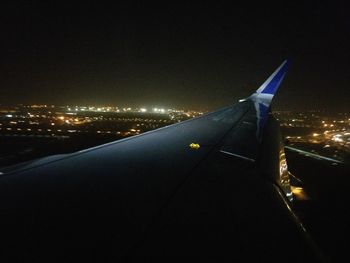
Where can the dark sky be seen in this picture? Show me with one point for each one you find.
(174, 54)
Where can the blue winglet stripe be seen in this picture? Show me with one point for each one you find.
(273, 85)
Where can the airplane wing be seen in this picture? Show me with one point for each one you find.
(212, 186)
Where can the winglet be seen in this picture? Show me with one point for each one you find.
(267, 90)
(271, 85)
(263, 96)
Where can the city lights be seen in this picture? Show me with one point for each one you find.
(77, 120)
(322, 134)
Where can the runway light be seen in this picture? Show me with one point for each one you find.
(194, 146)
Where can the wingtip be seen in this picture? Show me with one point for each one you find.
(271, 85)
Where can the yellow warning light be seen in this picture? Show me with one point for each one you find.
(194, 146)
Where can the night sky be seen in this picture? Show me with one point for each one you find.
(199, 56)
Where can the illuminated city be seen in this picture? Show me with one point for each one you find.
(58, 121)
(313, 132)
(317, 132)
